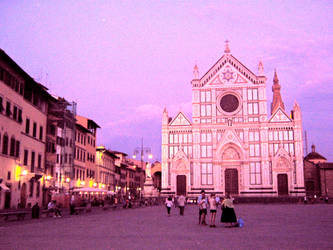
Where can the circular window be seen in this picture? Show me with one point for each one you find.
(229, 103)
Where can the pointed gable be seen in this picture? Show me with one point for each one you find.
(180, 120)
(279, 116)
(228, 70)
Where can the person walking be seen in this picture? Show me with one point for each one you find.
(181, 204)
(228, 212)
(212, 207)
(169, 204)
(72, 204)
(202, 202)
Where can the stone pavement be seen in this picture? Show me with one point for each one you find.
(278, 226)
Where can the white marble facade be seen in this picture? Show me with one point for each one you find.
(233, 144)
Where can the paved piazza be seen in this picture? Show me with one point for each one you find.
(266, 227)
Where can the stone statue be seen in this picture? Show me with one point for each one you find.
(148, 170)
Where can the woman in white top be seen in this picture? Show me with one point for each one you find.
(212, 207)
(169, 204)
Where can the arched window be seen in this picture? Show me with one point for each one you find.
(5, 144)
(12, 146)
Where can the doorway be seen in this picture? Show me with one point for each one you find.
(231, 181)
(282, 184)
(7, 199)
(23, 201)
(181, 185)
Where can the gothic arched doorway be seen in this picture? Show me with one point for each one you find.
(23, 201)
(231, 181)
(282, 180)
(181, 185)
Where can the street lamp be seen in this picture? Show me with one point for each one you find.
(142, 151)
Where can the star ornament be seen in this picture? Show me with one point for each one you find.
(228, 75)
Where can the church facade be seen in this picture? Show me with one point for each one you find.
(233, 144)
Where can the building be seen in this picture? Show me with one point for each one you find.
(23, 119)
(85, 153)
(232, 144)
(106, 169)
(60, 146)
(318, 175)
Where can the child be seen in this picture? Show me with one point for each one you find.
(169, 204)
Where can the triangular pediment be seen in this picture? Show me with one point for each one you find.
(180, 120)
(281, 152)
(280, 116)
(230, 137)
(228, 71)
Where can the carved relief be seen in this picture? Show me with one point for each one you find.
(230, 154)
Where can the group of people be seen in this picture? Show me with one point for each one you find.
(204, 202)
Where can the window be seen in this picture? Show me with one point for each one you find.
(254, 149)
(19, 116)
(5, 144)
(8, 112)
(66, 158)
(34, 130)
(12, 146)
(25, 159)
(253, 108)
(38, 189)
(31, 188)
(27, 126)
(270, 173)
(171, 138)
(206, 174)
(255, 173)
(39, 161)
(1, 106)
(15, 113)
(252, 94)
(41, 133)
(206, 110)
(32, 161)
(9, 175)
(17, 150)
(205, 96)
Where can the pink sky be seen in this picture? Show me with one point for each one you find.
(123, 61)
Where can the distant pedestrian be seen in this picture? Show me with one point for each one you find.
(72, 204)
(228, 212)
(181, 204)
(35, 211)
(202, 202)
(212, 207)
(175, 201)
(169, 204)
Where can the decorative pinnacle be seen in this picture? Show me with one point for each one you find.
(196, 72)
(275, 78)
(227, 49)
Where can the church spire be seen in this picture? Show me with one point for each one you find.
(277, 99)
(227, 49)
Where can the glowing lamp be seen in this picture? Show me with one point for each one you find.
(24, 172)
(67, 179)
(134, 156)
(150, 156)
(95, 184)
(48, 177)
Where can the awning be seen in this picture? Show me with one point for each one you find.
(4, 187)
(88, 189)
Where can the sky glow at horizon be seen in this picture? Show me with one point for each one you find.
(124, 61)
